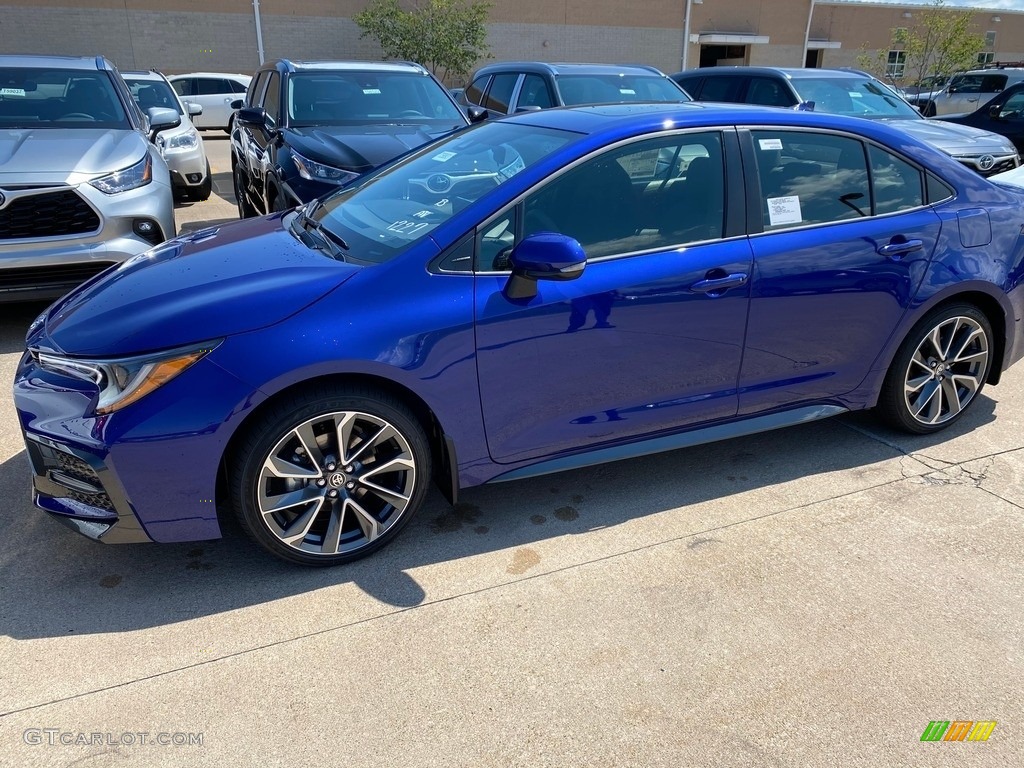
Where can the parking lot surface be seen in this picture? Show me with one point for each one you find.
(809, 597)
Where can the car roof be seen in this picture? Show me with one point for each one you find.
(211, 74)
(93, 63)
(142, 75)
(347, 65)
(569, 68)
(789, 72)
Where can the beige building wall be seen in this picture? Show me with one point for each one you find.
(220, 35)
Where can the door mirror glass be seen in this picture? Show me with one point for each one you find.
(476, 114)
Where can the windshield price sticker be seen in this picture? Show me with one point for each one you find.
(770, 143)
(371, 91)
(784, 210)
(12, 91)
(443, 157)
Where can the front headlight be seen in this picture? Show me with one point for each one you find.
(133, 177)
(314, 171)
(123, 381)
(182, 142)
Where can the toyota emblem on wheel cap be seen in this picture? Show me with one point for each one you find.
(985, 162)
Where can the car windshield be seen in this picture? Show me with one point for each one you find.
(33, 97)
(400, 205)
(853, 96)
(609, 89)
(367, 98)
(153, 93)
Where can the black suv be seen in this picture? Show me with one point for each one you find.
(523, 86)
(305, 128)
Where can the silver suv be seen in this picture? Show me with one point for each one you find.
(969, 90)
(82, 186)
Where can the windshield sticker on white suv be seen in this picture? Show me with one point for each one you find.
(784, 210)
(12, 91)
(770, 143)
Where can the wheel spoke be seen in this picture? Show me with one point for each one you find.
(971, 383)
(929, 400)
(288, 500)
(952, 397)
(391, 497)
(914, 385)
(384, 434)
(305, 434)
(279, 467)
(399, 462)
(368, 523)
(332, 538)
(959, 356)
(299, 528)
(343, 432)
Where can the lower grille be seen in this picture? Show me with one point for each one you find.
(51, 214)
(1005, 165)
(63, 276)
(69, 477)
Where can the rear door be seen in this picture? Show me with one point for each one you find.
(838, 260)
(215, 95)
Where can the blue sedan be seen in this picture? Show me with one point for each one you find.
(545, 292)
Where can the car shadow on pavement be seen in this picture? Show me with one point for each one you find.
(54, 582)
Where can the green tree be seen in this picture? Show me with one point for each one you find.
(446, 36)
(941, 41)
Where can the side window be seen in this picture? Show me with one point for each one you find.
(967, 84)
(535, 93)
(501, 92)
(236, 87)
(768, 92)
(993, 83)
(691, 85)
(475, 92)
(272, 98)
(208, 86)
(720, 89)
(182, 87)
(648, 195)
(495, 240)
(1013, 108)
(895, 182)
(810, 178)
(937, 190)
(252, 96)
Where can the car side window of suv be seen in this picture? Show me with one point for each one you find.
(726, 88)
(272, 99)
(255, 92)
(184, 87)
(993, 83)
(475, 92)
(811, 178)
(535, 93)
(500, 93)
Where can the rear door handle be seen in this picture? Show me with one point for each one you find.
(897, 248)
(719, 284)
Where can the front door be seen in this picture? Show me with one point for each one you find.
(650, 337)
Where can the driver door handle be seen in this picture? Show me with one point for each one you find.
(896, 249)
(719, 284)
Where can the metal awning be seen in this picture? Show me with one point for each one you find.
(729, 38)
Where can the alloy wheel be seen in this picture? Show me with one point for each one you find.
(946, 370)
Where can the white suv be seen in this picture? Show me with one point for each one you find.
(969, 90)
(214, 92)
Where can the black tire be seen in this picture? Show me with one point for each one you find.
(927, 389)
(363, 515)
(277, 202)
(240, 183)
(231, 125)
(204, 190)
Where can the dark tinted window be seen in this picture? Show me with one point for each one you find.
(648, 195)
(272, 98)
(501, 92)
(689, 84)
(209, 86)
(768, 92)
(937, 190)
(809, 178)
(254, 94)
(535, 93)
(183, 87)
(610, 89)
(721, 89)
(152, 93)
(475, 92)
(236, 87)
(896, 183)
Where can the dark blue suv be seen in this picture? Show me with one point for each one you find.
(306, 128)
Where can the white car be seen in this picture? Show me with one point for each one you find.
(181, 147)
(214, 92)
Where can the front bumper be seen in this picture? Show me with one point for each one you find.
(188, 168)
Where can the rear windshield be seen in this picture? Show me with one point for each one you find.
(367, 98)
(58, 98)
(611, 89)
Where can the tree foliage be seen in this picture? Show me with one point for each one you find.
(940, 42)
(446, 36)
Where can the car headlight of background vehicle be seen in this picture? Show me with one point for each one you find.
(123, 381)
(314, 171)
(133, 177)
(182, 142)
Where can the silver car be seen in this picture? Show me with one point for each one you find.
(214, 92)
(82, 186)
(969, 90)
(182, 147)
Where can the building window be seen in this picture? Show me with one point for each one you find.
(895, 64)
(985, 57)
(990, 39)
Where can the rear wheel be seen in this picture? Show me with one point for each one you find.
(331, 476)
(939, 370)
(240, 183)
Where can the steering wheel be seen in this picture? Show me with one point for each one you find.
(410, 113)
(77, 116)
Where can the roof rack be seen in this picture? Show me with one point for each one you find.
(1003, 65)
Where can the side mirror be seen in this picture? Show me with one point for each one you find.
(951, 89)
(995, 111)
(252, 117)
(530, 108)
(476, 114)
(236, 104)
(161, 119)
(543, 256)
(194, 110)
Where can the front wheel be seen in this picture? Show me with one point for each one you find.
(939, 370)
(329, 477)
(240, 182)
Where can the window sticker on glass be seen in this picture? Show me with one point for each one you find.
(12, 91)
(443, 157)
(640, 165)
(371, 91)
(770, 143)
(627, 91)
(784, 210)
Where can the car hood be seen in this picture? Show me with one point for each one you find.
(362, 148)
(66, 152)
(952, 138)
(213, 283)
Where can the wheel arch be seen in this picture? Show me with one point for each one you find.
(997, 317)
(442, 447)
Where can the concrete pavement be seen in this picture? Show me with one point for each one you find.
(808, 597)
